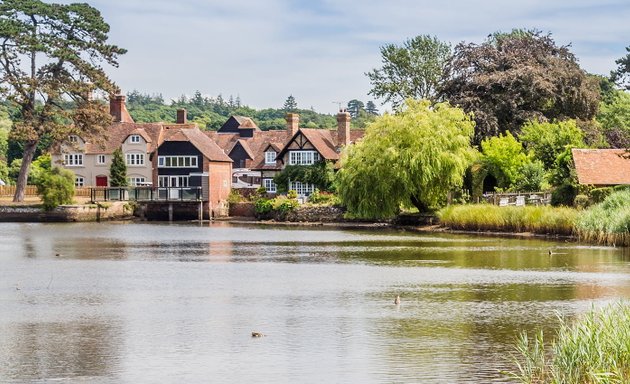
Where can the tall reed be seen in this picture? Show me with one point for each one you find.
(607, 222)
(595, 349)
(485, 217)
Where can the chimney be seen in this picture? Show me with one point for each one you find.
(343, 128)
(293, 123)
(182, 117)
(118, 109)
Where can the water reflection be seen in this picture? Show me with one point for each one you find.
(177, 303)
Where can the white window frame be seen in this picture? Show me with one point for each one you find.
(79, 181)
(134, 159)
(270, 157)
(302, 189)
(100, 159)
(269, 185)
(178, 162)
(303, 157)
(134, 139)
(73, 159)
(135, 181)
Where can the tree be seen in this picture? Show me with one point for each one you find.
(621, 76)
(50, 53)
(290, 105)
(56, 187)
(515, 77)
(412, 158)
(354, 107)
(504, 157)
(370, 108)
(413, 70)
(614, 117)
(547, 141)
(118, 170)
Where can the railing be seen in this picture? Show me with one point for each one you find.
(146, 194)
(518, 199)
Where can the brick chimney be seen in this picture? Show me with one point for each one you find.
(293, 123)
(182, 117)
(343, 128)
(118, 109)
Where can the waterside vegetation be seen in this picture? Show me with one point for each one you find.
(594, 349)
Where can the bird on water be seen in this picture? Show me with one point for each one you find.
(397, 300)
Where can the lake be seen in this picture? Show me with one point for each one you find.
(136, 302)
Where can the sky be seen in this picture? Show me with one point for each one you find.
(319, 50)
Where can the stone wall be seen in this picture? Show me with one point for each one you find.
(66, 213)
(323, 214)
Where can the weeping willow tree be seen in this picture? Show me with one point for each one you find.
(412, 158)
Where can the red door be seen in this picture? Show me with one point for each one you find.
(101, 181)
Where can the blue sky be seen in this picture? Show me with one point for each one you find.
(319, 50)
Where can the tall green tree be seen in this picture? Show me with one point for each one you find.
(118, 170)
(515, 77)
(354, 107)
(547, 141)
(614, 117)
(290, 105)
(370, 108)
(412, 158)
(504, 156)
(50, 53)
(621, 76)
(413, 70)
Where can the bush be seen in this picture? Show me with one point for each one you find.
(56, 188)
(292, 194)
(607, 222)
(263, 206)
(563, 195)
(581, 201)
(595, 349)
(323, 198)
(235, 197)
(284, 205)
(600, 194)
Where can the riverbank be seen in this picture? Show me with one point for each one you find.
(34, 213)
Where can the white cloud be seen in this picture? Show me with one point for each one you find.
(319, 50)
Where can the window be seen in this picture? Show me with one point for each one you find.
(79, 181)
(135, 181)
(173, 181)
(303, 157)
(100, 159)
(270, 157)
(302, 189)
(177, 161)
(73, 138)
(73, 159)
(134, 138)
(135, 159)
(269, 185)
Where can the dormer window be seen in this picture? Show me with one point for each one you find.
(270, 157)
(73, 138)
(134, 139)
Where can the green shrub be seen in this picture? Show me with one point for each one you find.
(56, 188)
(283, 205)
(600, 194)
(235, 197)
(594, 349)
(263, 206)
(563, 195)
(581, 201)
(292, 194)
(323, 198)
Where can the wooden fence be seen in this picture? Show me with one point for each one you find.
(31, 190)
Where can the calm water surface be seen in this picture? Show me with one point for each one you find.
(131, 303)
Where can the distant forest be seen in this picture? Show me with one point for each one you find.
(210, 113)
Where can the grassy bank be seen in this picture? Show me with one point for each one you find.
(486, 217)
(608, 222)
(595, 349)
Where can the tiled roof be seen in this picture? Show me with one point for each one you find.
(602, 166)
(245, 122)
(325, 141)
(197, 138)
(118, 132)
(254, 146)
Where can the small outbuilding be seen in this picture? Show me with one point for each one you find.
(602, 167)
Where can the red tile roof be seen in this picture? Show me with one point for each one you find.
(197, 138)
(602, 166)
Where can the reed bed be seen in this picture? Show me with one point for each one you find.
(608, 222)
(595, 349)
(486, 217)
